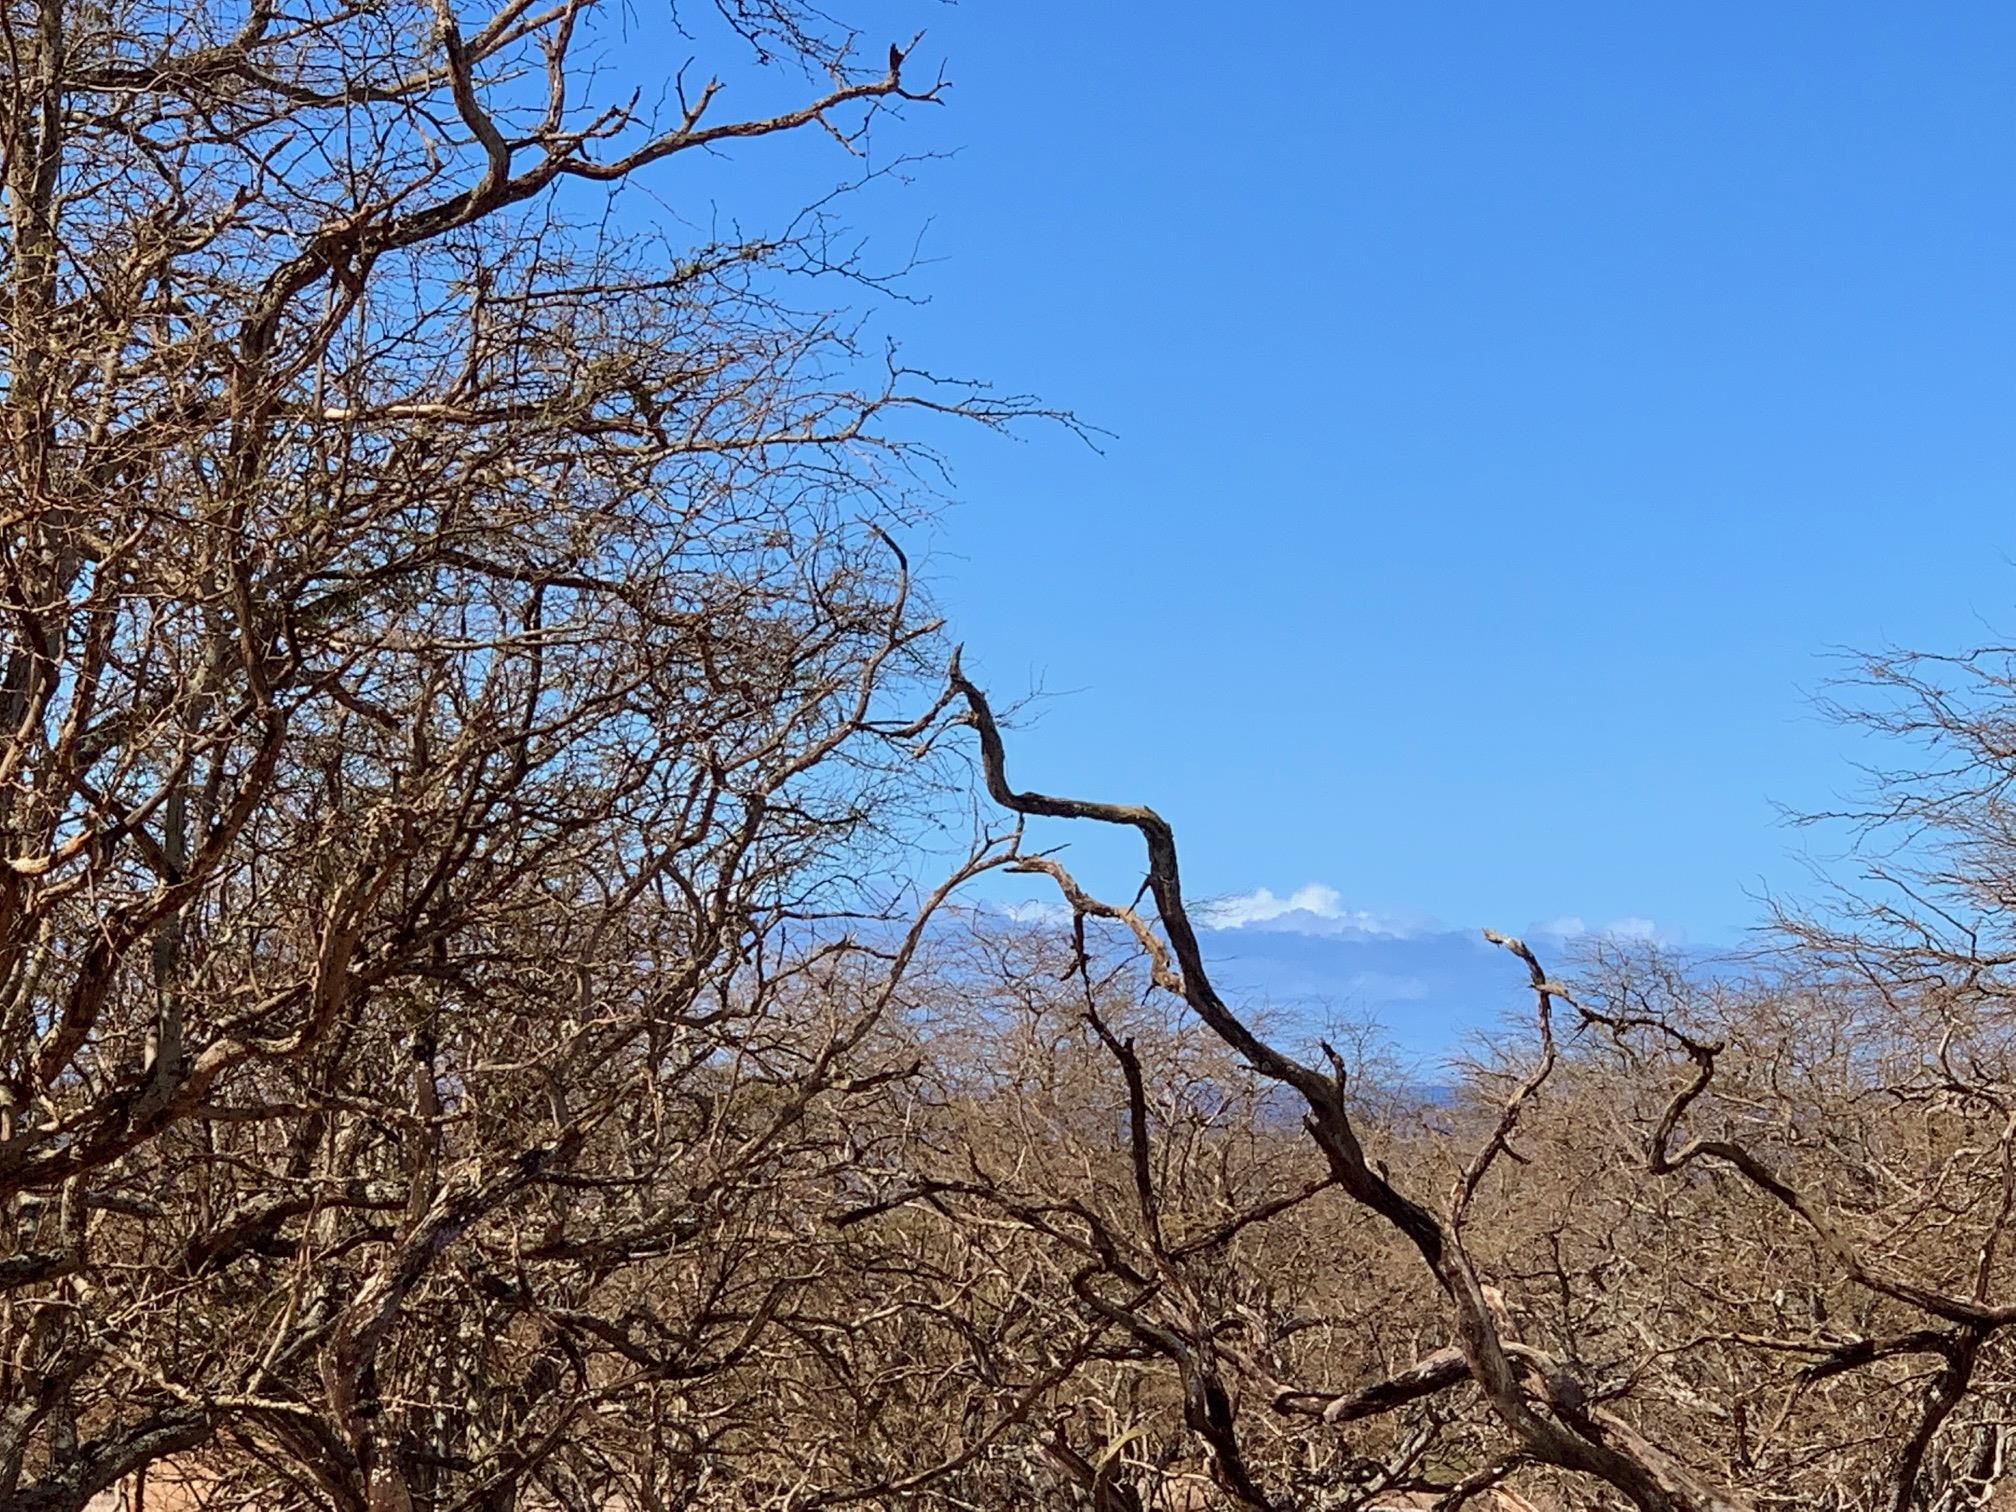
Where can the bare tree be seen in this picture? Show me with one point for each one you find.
(1550, 1415)
(456, 680)
(1707, 1241)
(476, 1030)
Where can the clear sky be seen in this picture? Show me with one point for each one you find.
(1511, 406)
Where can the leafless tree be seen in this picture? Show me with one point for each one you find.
(477, 1029)
(455, 681)
(1549, 1415)
(1707, 1241)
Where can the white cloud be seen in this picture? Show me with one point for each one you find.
(1262, 906)
(1316, 908)
(1313, 908)
(1633, 927)
(1037, 911)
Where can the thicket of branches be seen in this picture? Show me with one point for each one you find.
(473, 1034)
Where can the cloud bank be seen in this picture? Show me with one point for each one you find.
(1313, 908)
(1316, 908)
(1632, 927)
(1307, 954)
(1036, 911)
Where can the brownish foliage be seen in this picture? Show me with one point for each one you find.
(476, 1030)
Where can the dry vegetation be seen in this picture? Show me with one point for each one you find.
(471, 1034)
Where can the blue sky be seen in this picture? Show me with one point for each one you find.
(1511, 407)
